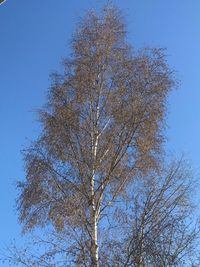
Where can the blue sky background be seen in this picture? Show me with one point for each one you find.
(34, 36)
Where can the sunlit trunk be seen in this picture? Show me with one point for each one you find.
(94, 249)
(93, 211)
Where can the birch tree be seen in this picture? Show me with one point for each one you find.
(102, 126)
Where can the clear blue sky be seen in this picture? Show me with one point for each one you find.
(34, 36)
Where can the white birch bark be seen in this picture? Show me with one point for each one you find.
(94, 212)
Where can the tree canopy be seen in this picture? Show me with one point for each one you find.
(97, 163)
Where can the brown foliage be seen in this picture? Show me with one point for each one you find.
(102, 127)
(108, 96)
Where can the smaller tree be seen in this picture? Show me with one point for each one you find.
(158, 222)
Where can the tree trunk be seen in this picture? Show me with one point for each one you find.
(94, 245)
(93, 212)
(93, 221)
